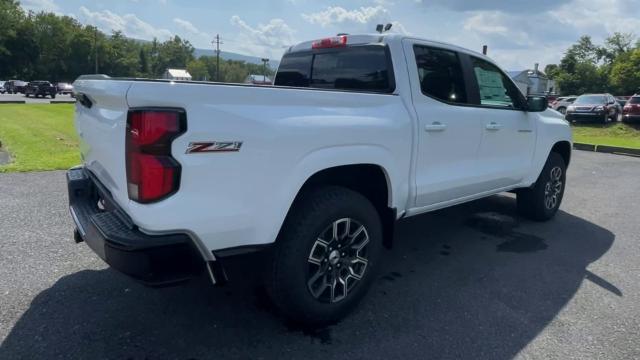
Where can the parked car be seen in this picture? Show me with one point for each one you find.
(188, 174)
(2, 90)
(622, 100)
(594, 107)
(64, 88)
(15, 86)
(631, 110)
(40, 89)
(561, 104)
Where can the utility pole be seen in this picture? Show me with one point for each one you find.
(95, 45)
(217, 43)
(264, 71)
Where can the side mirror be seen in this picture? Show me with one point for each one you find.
(537, 103)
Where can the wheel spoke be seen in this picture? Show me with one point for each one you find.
(318, 252)
(317, 291)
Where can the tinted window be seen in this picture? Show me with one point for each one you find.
(634, 100)
(440, 74)
(496, 89)
(365, 68)
(590, 99)
(294, 70)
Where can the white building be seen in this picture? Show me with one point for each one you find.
(534, 81)
(177, 74)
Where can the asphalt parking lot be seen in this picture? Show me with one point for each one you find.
(452, 287)
(32, 100)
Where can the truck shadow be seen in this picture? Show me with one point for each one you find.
(472, 281)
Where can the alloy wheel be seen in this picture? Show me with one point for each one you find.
(553, 188)
(338, 260)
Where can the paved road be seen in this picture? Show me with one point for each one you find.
(32, 100)
(451, 288)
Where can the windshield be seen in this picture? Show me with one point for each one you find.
(590, 99)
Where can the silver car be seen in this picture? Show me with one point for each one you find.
(562, 103)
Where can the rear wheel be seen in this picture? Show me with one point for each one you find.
(542, 201)
(325, 256)
(562, 110)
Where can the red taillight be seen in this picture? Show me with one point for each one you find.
(328, 43)
(152, 173)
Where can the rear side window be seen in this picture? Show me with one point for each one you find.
(634, 100)
(440, 74)
(359, 68)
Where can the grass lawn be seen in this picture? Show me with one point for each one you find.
(38, 137)
(619, 134)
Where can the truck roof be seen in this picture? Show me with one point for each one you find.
(361, 39)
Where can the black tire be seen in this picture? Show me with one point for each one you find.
(53, 96)
(533, 203)
(290, 270)
(562, 110)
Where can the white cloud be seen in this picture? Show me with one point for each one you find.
(129, 24)
(190, 28)
(600, 16)
(186, 25)
(363, 19)
(337, 15)
(40, 5)
(268, 39)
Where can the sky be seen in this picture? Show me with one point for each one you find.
(519, 33)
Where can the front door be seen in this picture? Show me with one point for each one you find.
(508, 131)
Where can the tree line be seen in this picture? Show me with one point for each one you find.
(46, 46)
(613, 66)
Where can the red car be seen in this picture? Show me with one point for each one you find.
(631, 110)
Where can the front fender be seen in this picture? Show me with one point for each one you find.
(552, 129)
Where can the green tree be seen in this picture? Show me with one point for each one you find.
(198, 70)
(625, 73)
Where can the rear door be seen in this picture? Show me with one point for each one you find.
(449, 132)
(508, 131)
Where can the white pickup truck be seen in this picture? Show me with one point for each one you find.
(358, 132)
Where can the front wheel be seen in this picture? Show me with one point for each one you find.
(325, 256)
(562, 110)
(542, 201)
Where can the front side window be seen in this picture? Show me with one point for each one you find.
(440, 74)
(496, 89)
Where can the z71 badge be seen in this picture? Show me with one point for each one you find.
(214, 146)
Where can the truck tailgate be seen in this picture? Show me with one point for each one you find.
(101, 126)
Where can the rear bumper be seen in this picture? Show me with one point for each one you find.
(108, 231)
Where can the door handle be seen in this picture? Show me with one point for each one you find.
(435, 127)
(493, 126)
